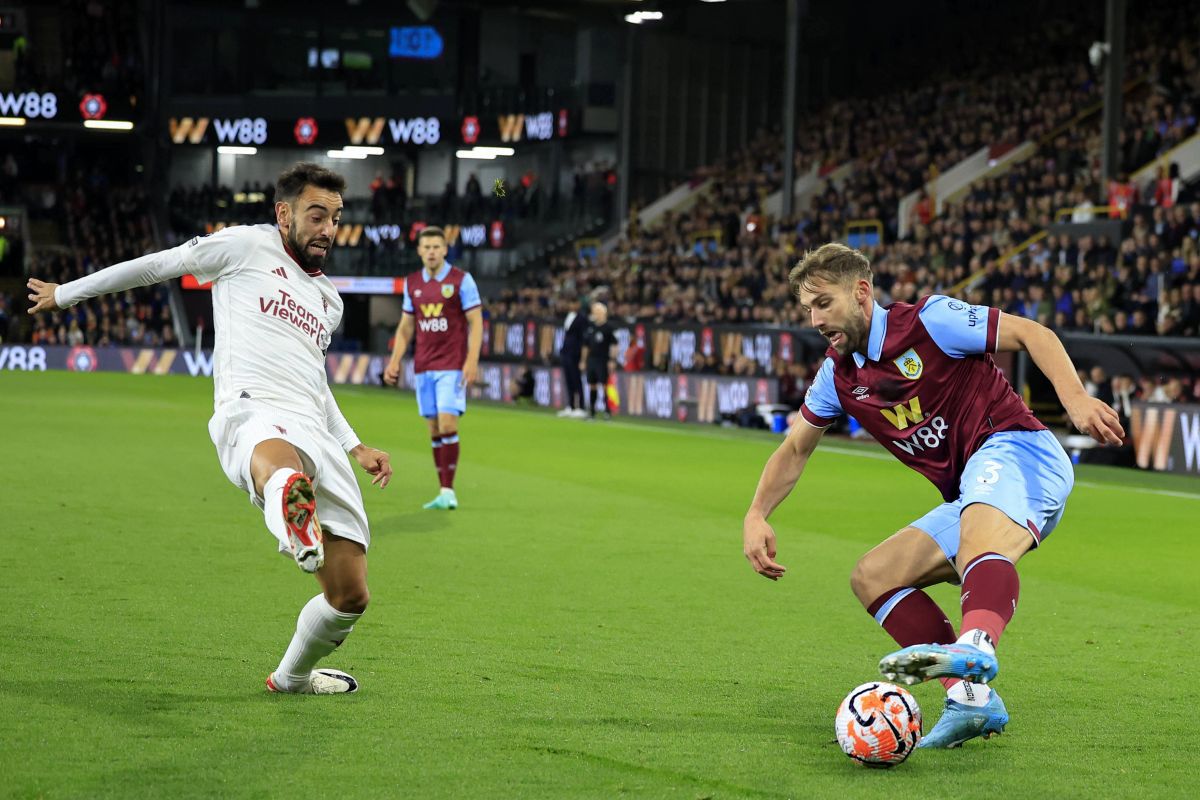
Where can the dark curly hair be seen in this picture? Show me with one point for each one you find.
(291, 181)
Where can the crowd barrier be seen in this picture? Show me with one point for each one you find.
(683, 397)
(1165, 437)
(536, 340)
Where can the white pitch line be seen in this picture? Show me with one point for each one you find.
(846, 451)
(1139, 489)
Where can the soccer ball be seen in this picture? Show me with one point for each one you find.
(878, 724)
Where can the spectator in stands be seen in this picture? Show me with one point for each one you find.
(1124, 391)
(1121, 197)
(793, 384)
(635, 356)
(448, 202)
(1169, 390)
(1098, 378)
(473, 197)
(521, 388)
(1166, 188)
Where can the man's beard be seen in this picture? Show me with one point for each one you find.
(300, 251)
(854, 337)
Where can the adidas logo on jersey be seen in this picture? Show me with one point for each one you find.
(281, 272)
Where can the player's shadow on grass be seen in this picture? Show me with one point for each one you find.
(127, 699)
(650, 725)
(420, 521)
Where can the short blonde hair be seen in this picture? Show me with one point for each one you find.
(830, 263)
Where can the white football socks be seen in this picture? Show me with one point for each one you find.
(978, 638)
(970, 694)
(320, 628)
(273, 504)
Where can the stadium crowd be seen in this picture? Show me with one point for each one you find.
(100, 52)
(724, 260)
(102, 225)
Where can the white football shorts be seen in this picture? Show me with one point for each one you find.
(238, 426)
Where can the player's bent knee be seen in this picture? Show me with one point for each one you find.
(865, 580)
(988, 529)
(350, 599)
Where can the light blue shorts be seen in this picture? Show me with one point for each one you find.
(441, 391)
(1025, 474)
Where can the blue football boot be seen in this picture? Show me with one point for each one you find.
(923, 662)
(961, 722)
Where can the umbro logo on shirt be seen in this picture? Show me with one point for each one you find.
(281, 272)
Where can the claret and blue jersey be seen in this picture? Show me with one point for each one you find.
(927, 388)
(439, 303)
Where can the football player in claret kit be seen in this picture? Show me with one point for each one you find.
(278, 431)
(442, 311)
(921, 379)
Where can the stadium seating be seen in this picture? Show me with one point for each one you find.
(724, 261)
(102, 224)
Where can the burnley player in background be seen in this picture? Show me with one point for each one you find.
(279, 434)
(920, 378)
(442, 311)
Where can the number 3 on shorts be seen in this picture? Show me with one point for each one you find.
(993, 472)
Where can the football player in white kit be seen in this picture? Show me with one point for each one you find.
(278, 431)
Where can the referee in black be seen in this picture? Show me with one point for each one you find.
(598, 340)
(570, 354)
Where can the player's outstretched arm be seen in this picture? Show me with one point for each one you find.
(206, 256)
(404, 334)
(1094, 417)
(779, 477)
(142, 271)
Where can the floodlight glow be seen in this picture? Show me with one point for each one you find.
(638, 17)
(108, 124)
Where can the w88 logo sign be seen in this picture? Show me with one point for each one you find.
(29, 104)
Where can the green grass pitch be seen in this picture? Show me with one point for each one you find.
(585, 626)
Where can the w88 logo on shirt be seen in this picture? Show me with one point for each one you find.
(432, 320)
(435, 325)
(927, 437)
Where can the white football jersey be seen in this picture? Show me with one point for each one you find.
(273, 320)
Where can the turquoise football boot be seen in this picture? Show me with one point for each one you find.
(445, 501)
(923, 662)
(961, 722)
